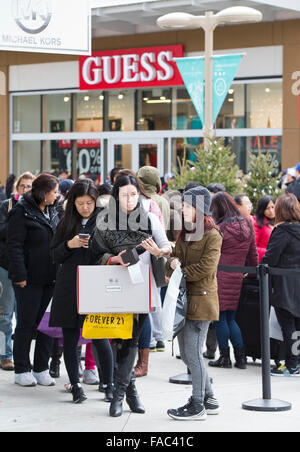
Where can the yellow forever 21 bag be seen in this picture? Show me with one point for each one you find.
(108, 326)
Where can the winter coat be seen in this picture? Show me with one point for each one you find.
(200, 262)
(262, 235)
(294, 187)
(284, 252)
(238, 246)
(28, 243)
(5, 207)
(64, 305)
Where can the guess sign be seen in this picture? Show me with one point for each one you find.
(133, 68)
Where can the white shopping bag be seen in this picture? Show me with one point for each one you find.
(170, 303)
(275, 328)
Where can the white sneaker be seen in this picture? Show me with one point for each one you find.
(90, 377)
(44, 378)
(26, 379)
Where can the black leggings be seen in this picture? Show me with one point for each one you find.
(104, 351)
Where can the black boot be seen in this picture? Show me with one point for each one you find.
(109, 392)
(224, 360)
(54, 368)
(125, 360)
(78, 394)
(240, 358)
(132, 397)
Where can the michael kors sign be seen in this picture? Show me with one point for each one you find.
(49, 26)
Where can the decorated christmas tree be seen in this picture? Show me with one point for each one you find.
(214, 165)
(261, 179)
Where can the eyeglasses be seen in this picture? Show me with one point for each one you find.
(24, 187)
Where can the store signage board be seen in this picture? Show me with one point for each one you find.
(46, 26)
(131, 68)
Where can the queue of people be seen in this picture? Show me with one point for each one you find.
(48, 229)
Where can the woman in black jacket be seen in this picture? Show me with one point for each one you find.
(69, 250)
(31, 227)
(283, 251)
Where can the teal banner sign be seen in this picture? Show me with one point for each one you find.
(224, 70)
(192, 71)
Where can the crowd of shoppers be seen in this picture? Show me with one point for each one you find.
(48, 227)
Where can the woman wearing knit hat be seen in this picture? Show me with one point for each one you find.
(197, 251)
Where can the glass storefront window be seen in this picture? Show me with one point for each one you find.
(89, 111)
(184, 147)
(27, 114)
(241, 146)
(58, 157)
(27, 157)
(264, 105)
(232, 114)
(57, 113)
(184, 113)
(121, 106)
(154, 108)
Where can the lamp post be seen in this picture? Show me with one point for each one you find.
(209, 22)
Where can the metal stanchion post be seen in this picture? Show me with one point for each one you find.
(266, 403)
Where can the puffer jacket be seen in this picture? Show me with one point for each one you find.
(262, 235)
(238, 246)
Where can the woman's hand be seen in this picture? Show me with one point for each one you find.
(150, 245)
(76, 242)
(175, 263)
(117, 260)
(21, 284)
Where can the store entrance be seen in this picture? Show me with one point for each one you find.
(136, 153)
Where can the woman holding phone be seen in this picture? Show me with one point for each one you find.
(125, 226)
(70, 248)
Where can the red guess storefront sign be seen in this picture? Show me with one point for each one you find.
(132, 68)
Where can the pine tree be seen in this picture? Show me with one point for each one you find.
(215, 165)
(261, 179)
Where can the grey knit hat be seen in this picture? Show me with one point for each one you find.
(199, 198)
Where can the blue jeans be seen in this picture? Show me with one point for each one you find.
(227, 329)
(7, 307)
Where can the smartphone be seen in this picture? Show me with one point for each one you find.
(84, 236)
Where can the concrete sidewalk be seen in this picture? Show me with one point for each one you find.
(51, 409)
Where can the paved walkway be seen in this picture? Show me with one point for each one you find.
(51, 409)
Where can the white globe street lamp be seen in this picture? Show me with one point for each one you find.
(209, 22)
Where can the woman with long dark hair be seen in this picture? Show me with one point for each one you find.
(31, 227)
(283, 251)
(197, 251)
(126, 226)
(69, 250)
(264, 223)
(238, 245)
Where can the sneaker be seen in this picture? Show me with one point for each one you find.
(26, 379)
(160, 346)
(212, 406)
(283, 371)
(44, 378)
(90, 377)
(153, 349)
(78, 394)
(193, 411)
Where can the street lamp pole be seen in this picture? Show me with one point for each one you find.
(208, 23)
(209, 28)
